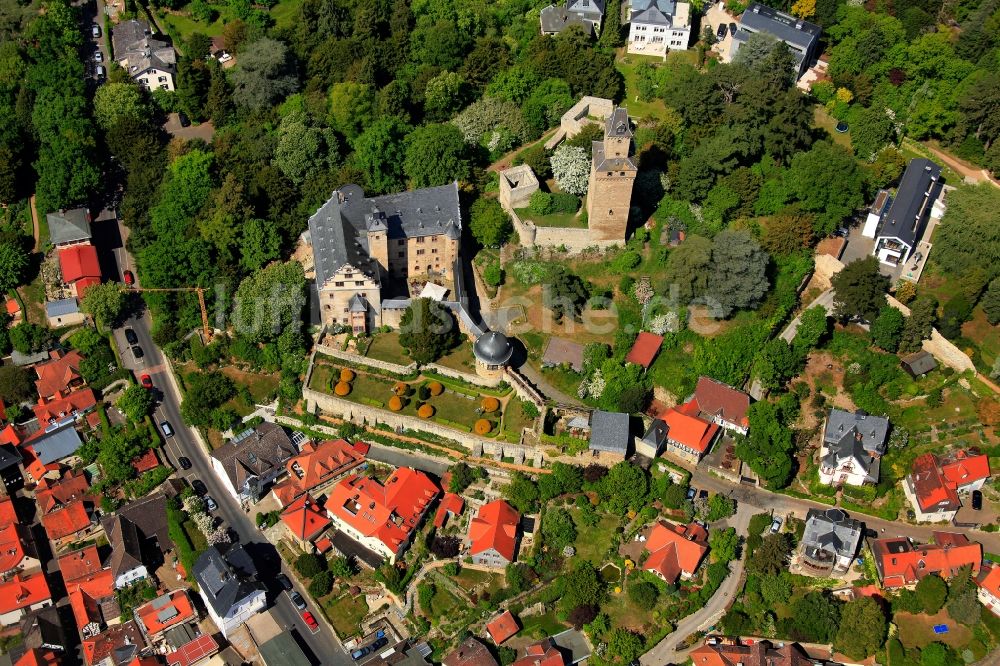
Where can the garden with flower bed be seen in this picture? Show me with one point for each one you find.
(448, 402)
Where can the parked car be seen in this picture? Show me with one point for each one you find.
(137, 352)
(167, 430)
(284, 582)
(129, 278)
(977, 499)
(311, 622)
(210, 503)
(131, 337)
(183, 119)
(95, 30)
(184, 462)
(98, 56)
(733, 28)
(146, 381)
(297, 599)
(199, 487)
(99, 71)
(776, 524)
(368, 649)
(721, 34)
(691, 493)
(234, 536)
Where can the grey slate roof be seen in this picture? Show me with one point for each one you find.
(831, 531)
(56, 444)
(282, 650)
(617, 124)
(62, 307)
(584, 13)
(133, 529)
(920, 362)
(339, 229)
(265, 450)
(907, 216)
(9, 457)
(761, 18)
(132, 42)
(609, 432)
(358, 303)
(656, 434)
(660, 12)
(855, 436)
(21, 360)
(222, 574)
(69, 226)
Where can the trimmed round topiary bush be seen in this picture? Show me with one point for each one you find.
(342, 388)
(423, 392)
(436, 388)
(395, 403)
(490, 404)
(425, 411)
(346, 375)
(483, 427)
(401, 388)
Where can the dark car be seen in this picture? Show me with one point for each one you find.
(199, 487)
(183, 119)
(284, 582)
(977, 499)
(131, 337)
(137, 351)
(167, 430)
(234, 536)
(184, 463)
(721, 34)
(368, 649)
(732, 29)
(297, 599)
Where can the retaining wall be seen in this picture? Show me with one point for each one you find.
(575, 239)
(358, 359)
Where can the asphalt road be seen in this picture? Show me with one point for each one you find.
(322, 647)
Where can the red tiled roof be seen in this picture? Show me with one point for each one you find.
(718, 399)
(86, 593)
(38, 657)
(33, 466)
(58, 409)
(502, 627)
(79, 563)
(687, 429)
(407, 493)
(962, 469)
(103, 644)
(317, 463)
(7, 513)
(929, 485)
(56, 375)
(323, 545)
(10, 435)
(23, 591)
(471, 652)
(161, 614)
(305, 518)
(451, 504)
(12, 551)
(644, 349)
(146, 462)
(495, 526)
(190, 653)
(542, 653)
(758, 654)
(902, 563)
(53, 494)
(12, 307)
(83, 284)
(79, 261)
(675, 549)
(361, 447)
(66, 521)
(991, 581)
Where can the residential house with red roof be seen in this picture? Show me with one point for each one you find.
(760, 653)
(39, 657)
(934, 485)
(502, 627)
(35, 470)
(686, 434)
(542, 653)
(146, 461)
(645, 349)
(382, 517)
(22, 593)
(675, 551)
(194, 652)
(71, 406)
(17, 548)
(988, 582)
(58, 376)
(901, 563)
(316, 466)
(306, 519)
(124, 641)
(450, 505)
(164, 612)
(722, 404)
(470, 652)
(56, 494)
(67, 523)
(493, 534)
(90, 588)
(80, 268)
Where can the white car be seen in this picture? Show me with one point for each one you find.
(98, 56)
(776, 524)
(210, 503)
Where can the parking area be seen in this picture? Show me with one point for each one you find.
(715, 17)
(92, 25)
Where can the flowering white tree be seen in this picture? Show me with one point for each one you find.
(643, 291)
(193, 505)
(217, 535)
(571, 168)
(594, 387)
(489, 115)
(664, 323)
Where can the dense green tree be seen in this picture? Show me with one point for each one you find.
(813, 328)
(626, 646)
(309, 564)
(489, 222)
(269, 301)
(775, 589)
(16, 385)
(623, 487)
(105, 303)
(581, 586)
(516, 577)
(724, 544)
(827, 181)
(738, 279)
(816, 618)
(265, 73)
(522, 493)
(462, 476)
(259, 244)
(770, 558)
(768, 447)
(788, 232)
(135, 402)
(114, 102)
(380, 153)
(351, 107)
(205, 392)
(558, 529)
(860, 290)
(13, 262)
(776, 363)
(968, 234)
(687, 269)
(991, 302)
(303, 149)
(427, 330)
(862, 628)
(923, 315)
(935, 654)
(720, 507)
(436, 155)
(887, 328)
(567, 294)
(643, 594)
(871, 132)
(932, 591)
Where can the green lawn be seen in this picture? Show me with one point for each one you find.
(592, 543)
(825, 121)
(468, 579)
(444, 603)
(566, 381)
(460, 359)
(918, 630)
(181, 26)
(540, 626)
(321, 376)
(515, 420)
(636, 107)
(958, 405)
(286, 13)
(194, 535)
(572, 220)
(386, 347)
(623, 613)
(345, 613)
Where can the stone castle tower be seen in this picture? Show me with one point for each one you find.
(612, 173)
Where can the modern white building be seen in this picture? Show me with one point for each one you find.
(657, 27)
(228, 584)
(898, 223)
